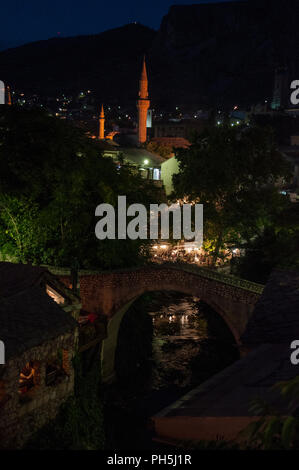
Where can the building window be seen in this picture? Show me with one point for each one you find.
(156, 174)
(57, 368)
(55, 295)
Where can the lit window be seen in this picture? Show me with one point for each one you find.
(54, 295)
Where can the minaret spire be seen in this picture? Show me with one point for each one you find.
(143, 84)
(143, 104)
(102, 124)
(9, 101)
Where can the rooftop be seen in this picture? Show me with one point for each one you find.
(275, 318)
(30, 318)
(222, 406)
(15, 278)
(138, 155)
(178, 142)
(28, 315)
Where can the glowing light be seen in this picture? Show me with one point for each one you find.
(146, 161)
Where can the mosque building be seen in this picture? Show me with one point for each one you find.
(148, 163)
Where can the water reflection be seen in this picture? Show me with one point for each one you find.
(179, 329)
(168, 343)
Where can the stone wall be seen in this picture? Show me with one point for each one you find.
(19, 418)
(111, 293)
(107, 292)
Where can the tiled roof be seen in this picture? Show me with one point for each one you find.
(18, 277)
(175, 142)
(30, 318)
(276, 315)
(137, 155)
(230, 393)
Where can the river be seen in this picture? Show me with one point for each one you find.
(168, 344)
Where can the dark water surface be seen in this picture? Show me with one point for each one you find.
(179, 330)
(168, 344)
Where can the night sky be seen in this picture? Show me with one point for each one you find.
(32, 20)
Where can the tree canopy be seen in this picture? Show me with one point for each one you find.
(234, 173)
(52, 177)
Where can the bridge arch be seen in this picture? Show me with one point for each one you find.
(113, 293)
(114, 323)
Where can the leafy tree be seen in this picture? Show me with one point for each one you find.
(52, 177)
(232, 171)
(274, 430)
(19, 227)
(275, 246)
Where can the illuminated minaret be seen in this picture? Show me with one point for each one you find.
(9, 102)
(102, 124)
(142, 104)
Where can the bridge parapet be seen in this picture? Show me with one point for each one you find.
(225, 278)
(191, 268)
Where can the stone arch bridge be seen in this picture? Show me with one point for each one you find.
(112, 292)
